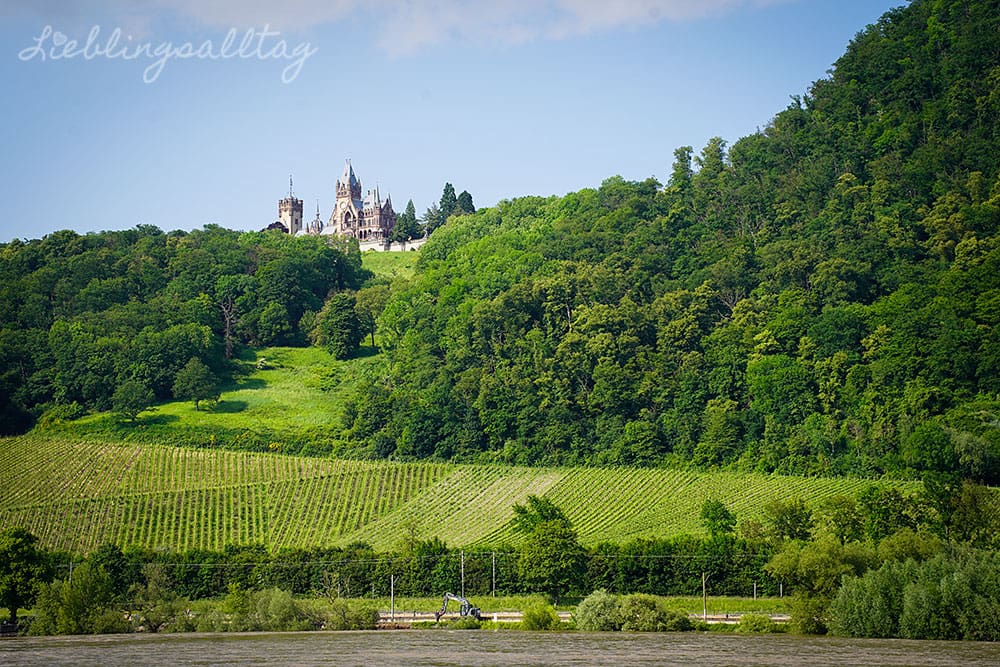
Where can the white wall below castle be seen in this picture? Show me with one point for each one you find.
(395, 246)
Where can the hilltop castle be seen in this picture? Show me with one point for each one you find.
(370, 220)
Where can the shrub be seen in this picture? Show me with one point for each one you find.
(640, 613)
(540, 616)
(109, 621)
(755, 624)
(599, 612)
(345, 615)
(81, 605)
(644, 613)
(276, 610)
(270, 609)
(467, 623)
(675, 621)
(809, 615)
(871, 606)
(950, 596)
(58, 414)
(211, 621)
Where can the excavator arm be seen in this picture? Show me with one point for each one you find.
(466, 608)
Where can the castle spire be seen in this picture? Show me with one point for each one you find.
(290, 186)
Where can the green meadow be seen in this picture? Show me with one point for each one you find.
(390, 265)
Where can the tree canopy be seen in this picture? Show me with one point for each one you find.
(85, 314)
(23, 568)
(819, 297)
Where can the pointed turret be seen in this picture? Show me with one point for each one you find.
(348, 185)
(316, 226)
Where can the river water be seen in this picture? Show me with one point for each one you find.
(443, 648)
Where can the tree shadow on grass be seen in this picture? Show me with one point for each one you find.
(229, 407)
(365, 351)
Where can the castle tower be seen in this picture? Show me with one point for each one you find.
(348, 185)
(290, 211)
(368, 220)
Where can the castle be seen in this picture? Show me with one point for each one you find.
(370, 220)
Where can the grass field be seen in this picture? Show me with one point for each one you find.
(78, 494)
(392, 265)
(297, 387)
(296, 395)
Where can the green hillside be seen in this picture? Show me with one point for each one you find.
(284, 399)
(77, 495)
(820, 297)
(390, 265)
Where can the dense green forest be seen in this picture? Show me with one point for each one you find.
(820, 297)
(91, 321)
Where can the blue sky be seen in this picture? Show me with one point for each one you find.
(501, 99)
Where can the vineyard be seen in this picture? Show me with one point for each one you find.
(76, 495)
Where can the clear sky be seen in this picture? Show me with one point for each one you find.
(185, 112)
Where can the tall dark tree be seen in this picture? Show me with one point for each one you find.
(407, 227)
(551, 558)
(464, 202)
(340, 329)
(717, 518)
(23, 569)
(370, 302)
(431, 219)
(535, 511)
(681, 173)
(448, 203)
(233, 296)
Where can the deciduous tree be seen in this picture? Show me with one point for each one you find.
(132, 397)
(195, 382)
(23, 569)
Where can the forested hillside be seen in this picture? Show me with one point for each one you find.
(86, 317)
(820, 297)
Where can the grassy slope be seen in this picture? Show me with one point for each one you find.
(78, 494)
(298, 387)
(391, 265)
(297, 397)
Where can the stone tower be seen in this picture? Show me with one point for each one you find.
(290, 211)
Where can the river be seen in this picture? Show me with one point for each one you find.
(443, 648)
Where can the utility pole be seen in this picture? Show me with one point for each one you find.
(704, 597)
(392, 598)
(494, 574)
(463, 573)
